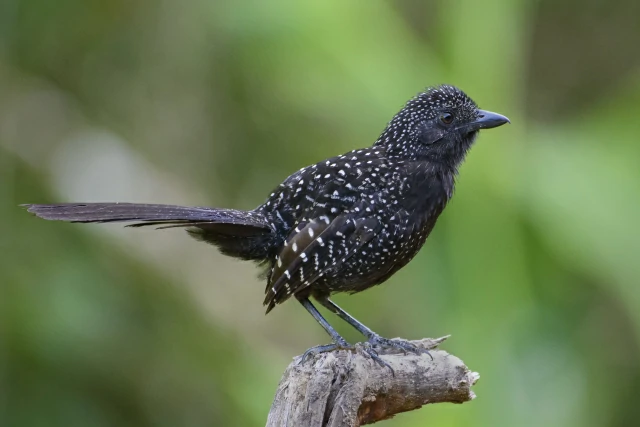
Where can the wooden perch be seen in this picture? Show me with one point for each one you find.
(347, 389)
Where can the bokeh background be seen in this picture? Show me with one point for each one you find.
(534, 267)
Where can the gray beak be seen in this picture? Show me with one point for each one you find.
(488, 120)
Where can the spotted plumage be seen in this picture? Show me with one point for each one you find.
(358, 228)
(341, 225)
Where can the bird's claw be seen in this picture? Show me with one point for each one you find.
(326, 348)
(366, 348)
(402, 345)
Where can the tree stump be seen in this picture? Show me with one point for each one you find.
(348, 389)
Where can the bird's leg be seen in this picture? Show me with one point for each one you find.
(339, 343)
(372, 338)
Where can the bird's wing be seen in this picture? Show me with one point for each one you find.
(327, 236)
(299, 266)
(337, 212)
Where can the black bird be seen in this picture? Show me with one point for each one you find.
(342, 225)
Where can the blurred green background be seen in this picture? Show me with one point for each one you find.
(533, 268)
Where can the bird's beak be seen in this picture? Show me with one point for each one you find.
(488, 120)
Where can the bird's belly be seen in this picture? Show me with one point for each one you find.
(375, 263)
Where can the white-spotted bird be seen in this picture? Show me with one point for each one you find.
(342, 225)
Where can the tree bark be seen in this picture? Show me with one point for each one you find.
(348, 389)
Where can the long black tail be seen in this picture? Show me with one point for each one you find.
(242, 234)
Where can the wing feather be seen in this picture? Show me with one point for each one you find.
(306, 258)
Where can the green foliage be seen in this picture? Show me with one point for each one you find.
(533, 268)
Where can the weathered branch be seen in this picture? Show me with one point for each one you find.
(346, 389)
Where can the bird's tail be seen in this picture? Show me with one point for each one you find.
(236, 233)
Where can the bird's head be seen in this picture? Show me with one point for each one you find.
(438, 125)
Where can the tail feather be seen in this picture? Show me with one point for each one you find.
(150, 214)
(242, 234)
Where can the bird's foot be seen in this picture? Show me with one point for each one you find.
(402, 345)
(327, 348)
(366, 348)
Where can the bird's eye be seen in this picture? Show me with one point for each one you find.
(446, 118)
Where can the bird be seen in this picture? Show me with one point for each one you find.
(344, 224)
